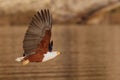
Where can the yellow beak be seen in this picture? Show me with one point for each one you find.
(58, 52)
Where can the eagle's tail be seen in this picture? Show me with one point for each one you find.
(19, 59)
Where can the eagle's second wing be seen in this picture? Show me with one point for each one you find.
(38, 34)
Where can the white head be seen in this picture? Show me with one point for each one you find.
(50, 55)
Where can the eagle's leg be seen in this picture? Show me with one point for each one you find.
(24, 62)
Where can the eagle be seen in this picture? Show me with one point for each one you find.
(37, 43)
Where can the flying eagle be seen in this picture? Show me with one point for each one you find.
(37, 42)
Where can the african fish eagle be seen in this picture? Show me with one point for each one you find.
(37, 42)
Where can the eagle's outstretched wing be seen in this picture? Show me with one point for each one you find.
(37, 37)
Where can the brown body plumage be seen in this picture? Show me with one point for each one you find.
(41, 49)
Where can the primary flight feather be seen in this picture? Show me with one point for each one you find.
(37, 42)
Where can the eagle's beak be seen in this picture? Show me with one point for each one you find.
(58, 52)
(25, 62)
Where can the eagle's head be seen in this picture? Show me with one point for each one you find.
(50, 55)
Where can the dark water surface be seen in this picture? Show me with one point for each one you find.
(88, 53)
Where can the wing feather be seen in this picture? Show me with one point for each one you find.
(38, 33)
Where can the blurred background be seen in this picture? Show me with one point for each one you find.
(87, 32)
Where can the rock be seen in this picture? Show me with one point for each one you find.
(64, 11)
(79, 11)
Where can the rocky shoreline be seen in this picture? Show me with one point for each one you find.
(20, 13)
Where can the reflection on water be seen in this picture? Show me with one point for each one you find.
(88, 53)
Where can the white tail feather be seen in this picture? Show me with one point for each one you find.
(19, 59)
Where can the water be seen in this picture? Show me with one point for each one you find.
(88, 53)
